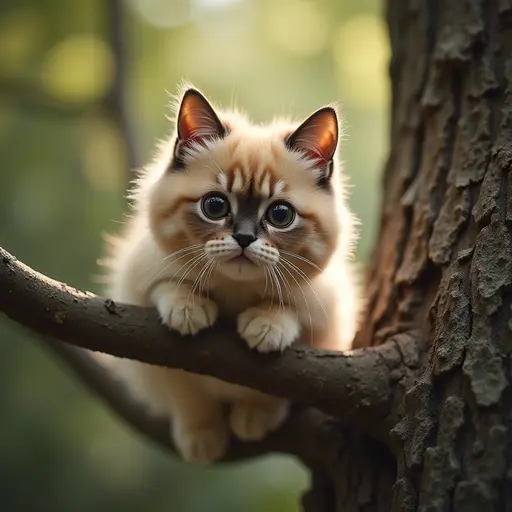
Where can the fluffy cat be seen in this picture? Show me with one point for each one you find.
(245, 222)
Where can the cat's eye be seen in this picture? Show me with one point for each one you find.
(215, 206)
(280, 215)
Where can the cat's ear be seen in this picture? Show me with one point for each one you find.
(317, 136)
(196, 119)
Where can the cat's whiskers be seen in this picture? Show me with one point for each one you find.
(201, 283)
(302, 258)
(308, 281)
(270, 278)
(175, 253)
(266, 283)
(279, 289)
(306, 302)
(164, 269)
(287, 287)
(289, 291)
(191, 266)
(211, 273)
(187, 264)
(198, 281)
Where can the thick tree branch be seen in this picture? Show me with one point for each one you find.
(358, 386)
(307, 434)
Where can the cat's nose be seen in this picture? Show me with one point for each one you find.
(244, 239)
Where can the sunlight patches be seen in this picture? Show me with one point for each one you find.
(169, 14)
(80, 68)
(298, 26)
(163, 13)
(215, 4)
(20, 33)
(361, 50)
(101, 155)
(203, 49)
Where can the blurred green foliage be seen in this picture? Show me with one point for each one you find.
(62, 178)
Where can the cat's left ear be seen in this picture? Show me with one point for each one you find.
(317, 136)
(196, 118)
(196, 123)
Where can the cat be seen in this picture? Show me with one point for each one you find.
(243, 222)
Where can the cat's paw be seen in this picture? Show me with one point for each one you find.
(202, 444)
(188, 315)
(268, 330)
(253, 421)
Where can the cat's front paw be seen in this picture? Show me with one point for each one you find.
(188, 315)
(268, 330)
(201, 444)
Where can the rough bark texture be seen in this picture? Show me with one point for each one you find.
(420, 414)
(443, 263)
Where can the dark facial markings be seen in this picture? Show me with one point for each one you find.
(176, 163)
(324, 180)
(246, 222)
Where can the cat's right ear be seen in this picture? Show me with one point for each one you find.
(196, 123)
(317, 136)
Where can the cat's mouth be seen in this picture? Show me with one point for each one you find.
(241, 259)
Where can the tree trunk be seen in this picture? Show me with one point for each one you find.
(442, 268)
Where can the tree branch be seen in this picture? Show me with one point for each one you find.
(307, 434)
(357, 386)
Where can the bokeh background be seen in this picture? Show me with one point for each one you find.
(63, 171)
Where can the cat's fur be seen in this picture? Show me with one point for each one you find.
(293, 283)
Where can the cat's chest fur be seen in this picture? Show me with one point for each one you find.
(233, 298)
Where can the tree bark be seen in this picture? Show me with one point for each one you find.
(443, 262)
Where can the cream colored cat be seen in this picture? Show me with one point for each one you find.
(245, 222)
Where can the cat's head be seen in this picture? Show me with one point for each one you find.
(257, 200)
